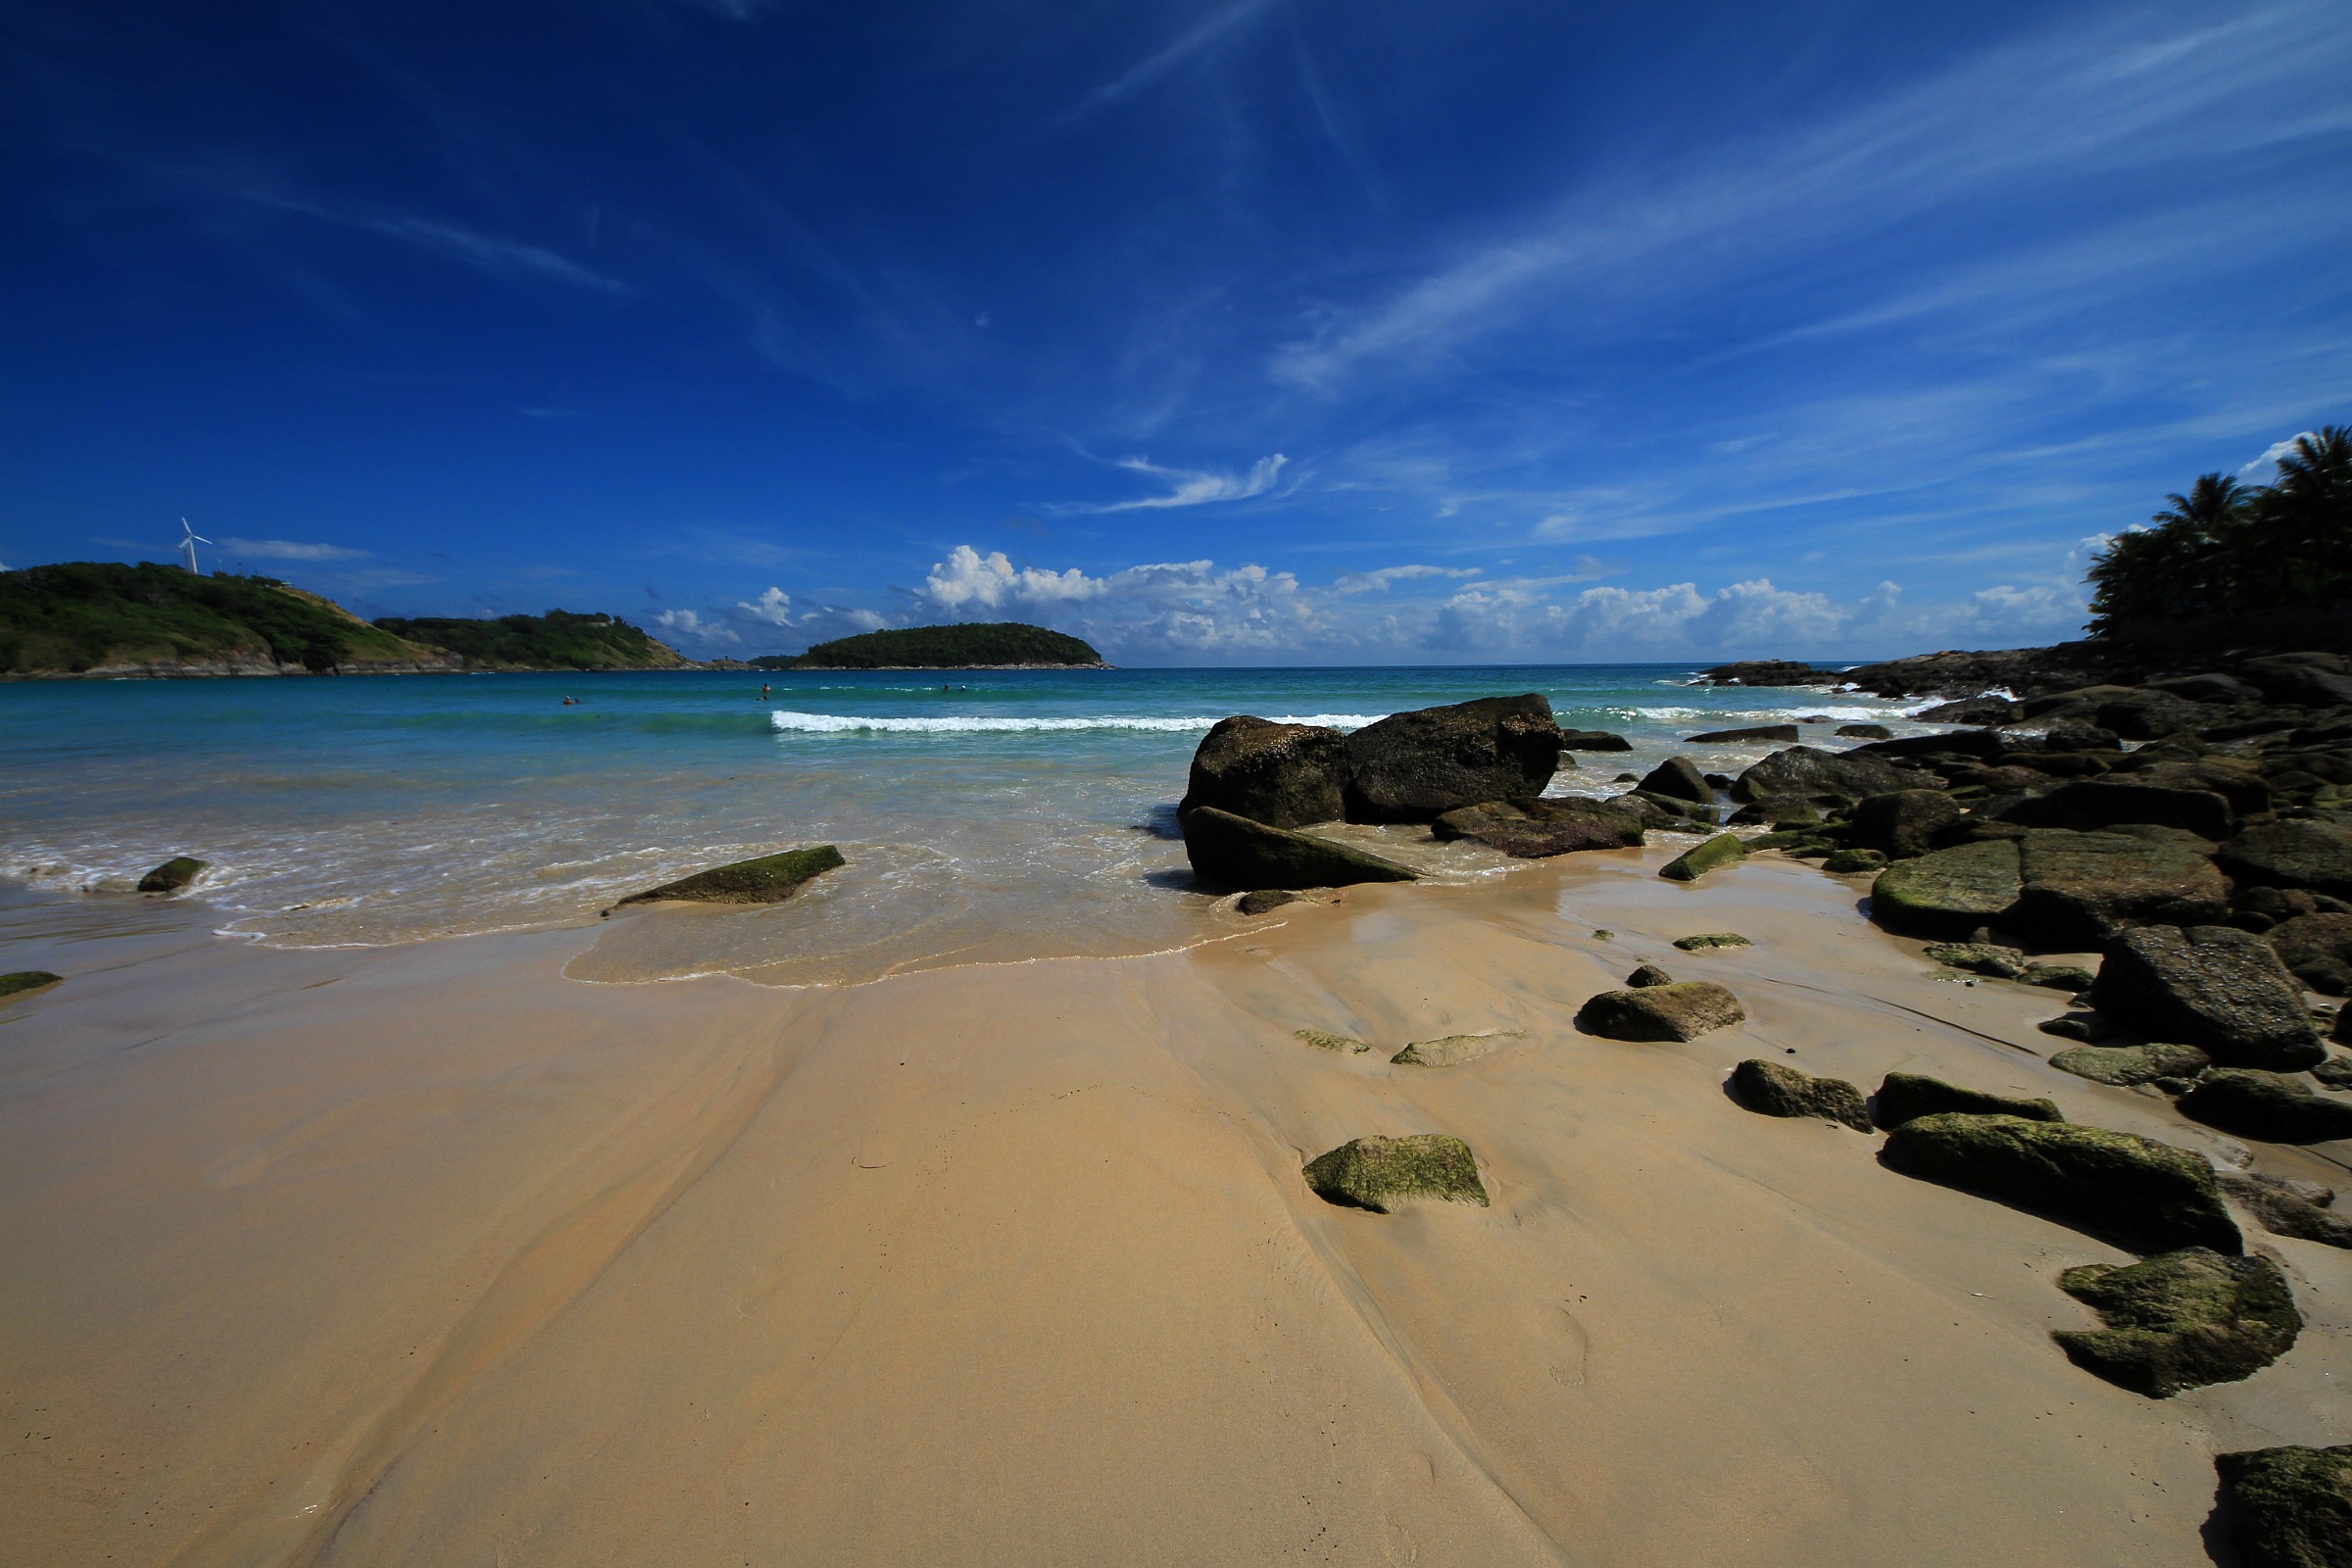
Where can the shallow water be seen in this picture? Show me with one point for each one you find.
(987, 815)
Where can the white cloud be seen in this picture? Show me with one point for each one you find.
(2264, 468)
(1377, 582)
(1193, 487)
(285, 550)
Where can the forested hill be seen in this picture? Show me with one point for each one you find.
(92, 617)
(558, 640)
(979, 645)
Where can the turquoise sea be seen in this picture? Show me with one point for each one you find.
(986, 815)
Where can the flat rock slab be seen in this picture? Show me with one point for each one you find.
(2094, 803)
(2144, 1194)
(1236, 853)
(1380, 1174)
(1452, 1050)
(1949, 893)
(1804, 771)
(2127, 1065)
(1772, 1089)
(2299, 852)
(766, 879)
(2078, 889)
(2290, 1507)
(2219, 989)
(2182, 1320)
(1681, 1011)
(2269, 1105)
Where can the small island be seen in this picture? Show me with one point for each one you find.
(979, 645)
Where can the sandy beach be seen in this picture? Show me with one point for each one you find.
(431, 1253)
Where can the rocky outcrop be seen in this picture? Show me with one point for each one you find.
(2299, 852)
(172, 875)
(2144, 1195)
(1409, 768)
(2304, 1210)
(1284, 775)
(1536, 829)
(2078, 889)
(1902, 823)
(1906, 1097)
(1684, 1010)
(2182, 1320)
(2269, 1105)
(1380, 1174)
(2317, 950)
(766, 879)
(2221, 990)
(2290, 1507)
(1816, 774)
(1723, 850)
(1949, 893)
(1772, 1089)
(2126, 1066)
(18, 981)
(1236, 853)
(1767, 672)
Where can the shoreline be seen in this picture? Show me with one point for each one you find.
(880, 1272)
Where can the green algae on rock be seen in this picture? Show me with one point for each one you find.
(766, 879)
(1847, 862)
(1712, 939)
(2145, 1196)
(172, 875)
(1694, 862)
(2127, 1065)
(2290, 1506)
(1452, 1050)
(1325, 1040)
(1906, 1097)
(1978, 957)
(1377, 1173)
(2181, 1320)
(22, 980)
(1771, 1088)
(1949, 893)
(1684, 1010)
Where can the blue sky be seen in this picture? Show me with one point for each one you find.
(1219, 331)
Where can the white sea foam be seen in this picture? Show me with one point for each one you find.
(791, 722)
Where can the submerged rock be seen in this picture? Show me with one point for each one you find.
(1773, 1090)
(1236, 853)
(2181, 1320)
(2268, 1106)
(1712, 939)
(2211, 987)
(1906, 1097)
(1866, 732)
(1693, 864)
(1451, 1051)
(1284, 775)
(1678, 778)
(1537, 829)
(172, 875)
(1950, 893)
(1378, 1173)
(766, 879)
(2145, 1196)
(1266, 900)
(1409, 768)
(21, 980)
(2290, 1507)
(2301, 1209)
(1753, 732)
(2127, 1065)
(1325, 1040)
(1684, 1010)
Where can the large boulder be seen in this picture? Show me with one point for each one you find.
(2089, 803)
(2269, 1105)
(2298, 852)
(1236, 853)
(1409, 768)
(1284, 775)
(2144, 1195)
(2290, 1507)
(763, 879)
(2208, 986)
(1949, 893)
(1678, 778)
(2081, 888)
(1803, 771)
(1774, 1090)
(1681, 1011)
(1906, 1097)
(1534, 829)
(1902, 823)
(172, 875)
(1379, 1173)
(2310, 680)
(2180, 1321)
(2317, 949)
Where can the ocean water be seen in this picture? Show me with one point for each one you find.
(987, 815)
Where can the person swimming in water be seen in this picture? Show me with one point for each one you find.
(764, 692)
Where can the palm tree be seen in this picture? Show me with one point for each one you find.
(2303, 521)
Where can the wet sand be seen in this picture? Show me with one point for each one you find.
(432, 1255)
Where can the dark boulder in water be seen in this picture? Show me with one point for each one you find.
(1284, 775)
(1236, 853)
(172, 875)
(1412, 766)
(1753, 732)
(766, 879)
(1538, 828)
(1678, 778)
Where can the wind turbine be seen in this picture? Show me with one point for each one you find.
(189, 540)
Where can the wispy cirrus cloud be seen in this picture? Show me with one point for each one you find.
(1191, 487)
(286, 550)
(1209, 31)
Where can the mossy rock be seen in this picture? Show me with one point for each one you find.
(1906, 1097)
(2144, 1195)
(2304, 1210)
(1646, 975)
(1979, 958)
(1949, 893)
(1693, 864)
(1771, 1088)
(2058, 977)
(25, 980)
(2180, 1321)
(2290, 1507)
(1325, 1040)
(1847, 862)
(1378, 1173)
(1681, 1011)
(2127, 1065)
(1452, 1050)
(766, 879)
(1712, 939)
(172, 875)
